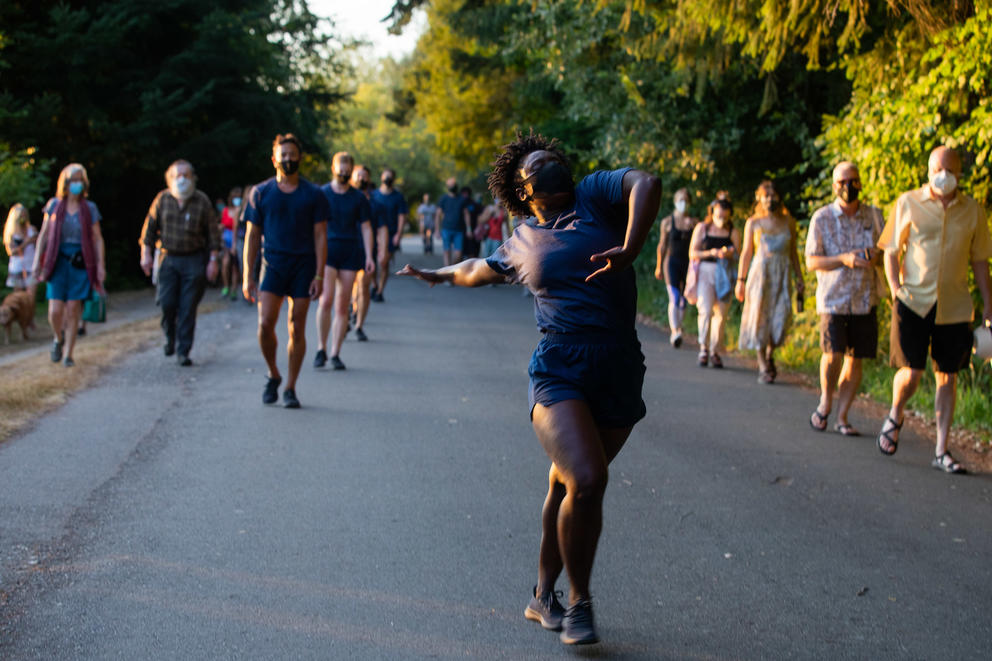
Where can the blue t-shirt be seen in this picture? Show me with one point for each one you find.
(452, 206)
(391, 205)
(553, 261)
(287, 219)
(346, 212)
(72, 226)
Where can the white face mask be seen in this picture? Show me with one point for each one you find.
(182, 187)
(944, 182)
(680, 206)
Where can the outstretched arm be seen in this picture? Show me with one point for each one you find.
(469, 273)
(642, 193)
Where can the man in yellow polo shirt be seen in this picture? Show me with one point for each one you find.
(932, 235)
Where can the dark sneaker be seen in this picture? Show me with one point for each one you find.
(336, 363)
(377, 297)
(56, 352)
(81, 331)
(169, 349)
(576, 625)
(271, 392)
(320, 359)
(289, 399)
(547, 610)
(360, 334)
(184, 361)
(69, 362)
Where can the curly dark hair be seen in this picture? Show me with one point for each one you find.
(503, 182)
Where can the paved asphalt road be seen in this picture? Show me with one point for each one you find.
(167, 514)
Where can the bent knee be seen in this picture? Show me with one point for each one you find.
(588, 484)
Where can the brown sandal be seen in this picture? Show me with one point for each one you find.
(886, 435)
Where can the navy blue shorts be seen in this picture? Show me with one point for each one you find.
(346, 254)
(288, 275)
(605, 372)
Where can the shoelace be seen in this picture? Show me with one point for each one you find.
(580, 615)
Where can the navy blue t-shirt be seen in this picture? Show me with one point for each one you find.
(452, 206)
(553, 261)
(391, 205)
(346, 212)
(287, 219)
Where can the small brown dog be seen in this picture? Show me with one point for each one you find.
(19, 307)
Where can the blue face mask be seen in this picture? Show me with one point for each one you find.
(236, 202)
(76, 187)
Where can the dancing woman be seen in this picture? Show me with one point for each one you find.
(575, 253)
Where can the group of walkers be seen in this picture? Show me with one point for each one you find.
(923, 252)
(573, 249)
(468, 229)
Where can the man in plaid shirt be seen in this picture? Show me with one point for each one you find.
(182, 218)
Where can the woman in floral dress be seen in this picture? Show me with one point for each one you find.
(769, 255)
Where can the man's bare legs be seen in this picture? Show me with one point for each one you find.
(269, 305)
(297, 347)
(341, 286)
(904, 384)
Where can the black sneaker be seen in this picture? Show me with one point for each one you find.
(577, 626)
(289, 399)
(547, 610)
(271, 392)
(81, 331)
(169, 349)
(360, 334)
(377, 297)
(320, 359)
(336, 362)
(69, 362)
(56, 352)
(184, 361)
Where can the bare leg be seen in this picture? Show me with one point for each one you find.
(268, 314)
(578, 449)
(73, 311)
(297, 347)
(847, 389)
(382, 259)
(944, 401)
(363, 285)
(342, 301)
(324, 305)
(56, 312)
(830, 366)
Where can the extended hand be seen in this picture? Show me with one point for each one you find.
(617, 259)
(427, 275)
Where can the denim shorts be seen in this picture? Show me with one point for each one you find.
(604, 371)
(288, 275)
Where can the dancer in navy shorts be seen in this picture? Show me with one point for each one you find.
(574, 252)
(290, 213)
(349, 250)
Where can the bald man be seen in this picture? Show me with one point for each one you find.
(840, 248)
(932, 235)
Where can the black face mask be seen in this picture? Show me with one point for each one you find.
(343, 177)
(363, 184)
(849, 193)
(289, 166)
(387, 181)
(453, 189)
(552, 178)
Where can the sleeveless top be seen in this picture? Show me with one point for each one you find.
(678, 241)
(711, 242)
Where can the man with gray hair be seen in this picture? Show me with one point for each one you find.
(932, 235)
(840, 248)
(182, 218)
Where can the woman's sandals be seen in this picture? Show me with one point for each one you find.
(886, 435)
(947, 463)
